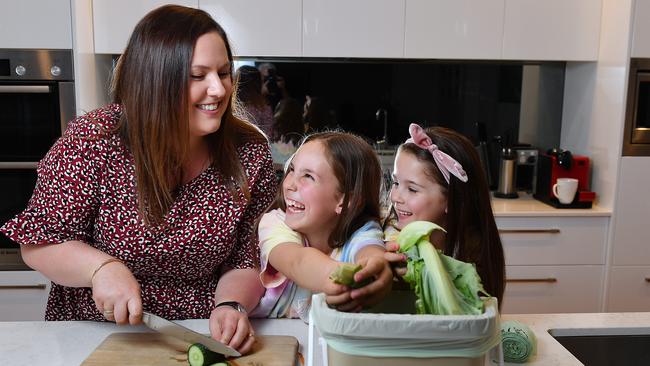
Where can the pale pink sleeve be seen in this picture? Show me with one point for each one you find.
(273, 231)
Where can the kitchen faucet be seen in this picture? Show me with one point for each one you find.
(383, 143)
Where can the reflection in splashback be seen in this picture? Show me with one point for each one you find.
(452, 94)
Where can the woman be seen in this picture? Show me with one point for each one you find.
(150, 203)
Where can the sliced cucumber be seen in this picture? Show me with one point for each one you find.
(200, 355)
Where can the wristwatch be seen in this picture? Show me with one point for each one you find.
(233, 304)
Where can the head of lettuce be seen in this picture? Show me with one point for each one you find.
(442, 284)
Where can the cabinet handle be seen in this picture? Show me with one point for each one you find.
(529, 231)
(532, 280)
(647, 279)
(39, 286)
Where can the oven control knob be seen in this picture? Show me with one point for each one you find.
(55, 70)
(20, 70)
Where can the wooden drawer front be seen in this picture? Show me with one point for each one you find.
(553, 240)
(553, 289)
(23, 295)
(629, 289)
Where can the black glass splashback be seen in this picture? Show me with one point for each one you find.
(450, 94)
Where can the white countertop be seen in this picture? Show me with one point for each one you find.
(550, 352)
(526, 205)
(69, 343)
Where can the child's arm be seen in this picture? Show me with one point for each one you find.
(307, 267)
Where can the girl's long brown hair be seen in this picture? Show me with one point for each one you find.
(357, 170)
(472, 234)
(151, 83)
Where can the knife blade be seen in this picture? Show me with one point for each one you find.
(172, 329)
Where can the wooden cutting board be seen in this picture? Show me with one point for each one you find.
(144, 349)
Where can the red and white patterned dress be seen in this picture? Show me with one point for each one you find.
(86, 191)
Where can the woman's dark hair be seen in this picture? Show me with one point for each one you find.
(472, 234)
(288, 126)
(249, 86)
(357, 170)
(151, 83)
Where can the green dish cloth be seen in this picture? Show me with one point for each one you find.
(519, 341)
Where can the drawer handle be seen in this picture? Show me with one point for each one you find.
(647, 279)
(532, 280)
(39, 286)
(529, 231)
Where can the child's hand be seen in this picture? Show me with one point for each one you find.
(397, 260)
(376, 267)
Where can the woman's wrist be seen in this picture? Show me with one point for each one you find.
(102, 265)
(233, 305)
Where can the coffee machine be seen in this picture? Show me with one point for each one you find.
(558, 163)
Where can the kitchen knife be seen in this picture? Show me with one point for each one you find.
(172, 329)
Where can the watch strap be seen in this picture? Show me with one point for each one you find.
(233, 304)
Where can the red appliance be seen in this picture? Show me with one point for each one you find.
(552, 167)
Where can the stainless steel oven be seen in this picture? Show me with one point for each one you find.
(636, 140)
(36, 102)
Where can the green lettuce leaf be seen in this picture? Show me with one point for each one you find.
(443, 285)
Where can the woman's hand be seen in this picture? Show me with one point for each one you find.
(117, 294)
(396, 260)
(233, 328)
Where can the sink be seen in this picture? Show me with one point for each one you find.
(606, 346)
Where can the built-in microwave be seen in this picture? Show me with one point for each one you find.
(36, 102)
(636, 139)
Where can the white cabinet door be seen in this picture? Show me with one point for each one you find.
(629, 289)
(114, 20)
(260, 28)
(631, 245)
(456, 29)
(553, 240)
(552, 30)
(23, 295)
(553, 289)
(358, 28)
(36, 24)
(641, 29)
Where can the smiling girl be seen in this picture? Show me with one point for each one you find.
(438, 178)
(329, 212)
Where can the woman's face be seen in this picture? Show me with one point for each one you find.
(415, 195)
(210, 84)
(311, 193)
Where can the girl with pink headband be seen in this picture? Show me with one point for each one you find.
(438, 177)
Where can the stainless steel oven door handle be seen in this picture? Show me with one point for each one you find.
(25, 89)
(18, 164)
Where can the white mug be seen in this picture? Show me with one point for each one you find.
(565, 189)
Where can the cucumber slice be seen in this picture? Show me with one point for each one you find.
(199, 355)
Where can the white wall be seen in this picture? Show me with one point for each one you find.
(594, 101)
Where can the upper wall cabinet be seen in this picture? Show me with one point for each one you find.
(360, 28)
(36, 24)
(259, 28)
(641, 29)
(552, 30)
(114, 21)
(456, 29)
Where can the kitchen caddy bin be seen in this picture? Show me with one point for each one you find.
(389, 336)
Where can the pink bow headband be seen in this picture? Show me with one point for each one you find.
(445, 163)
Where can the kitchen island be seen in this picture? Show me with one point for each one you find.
(69, 343)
